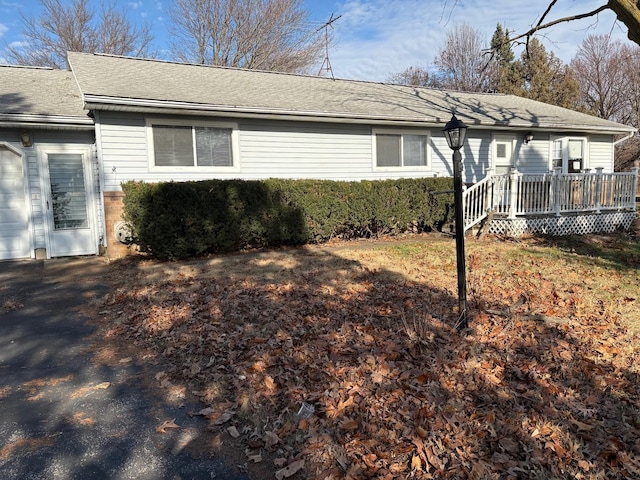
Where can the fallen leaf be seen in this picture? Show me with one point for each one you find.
(206, 411)
(255, 458)
(280, 462)
(233, 431)
(162, 428)
(270, 440)
(290, 470)
(225, 417)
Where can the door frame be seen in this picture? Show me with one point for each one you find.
(26, 193)
(565, 139)
(43, 150)
(502, 137)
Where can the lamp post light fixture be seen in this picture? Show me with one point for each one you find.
(455, 132)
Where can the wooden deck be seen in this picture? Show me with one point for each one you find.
(589, 200)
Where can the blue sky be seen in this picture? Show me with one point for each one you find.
(374, 38)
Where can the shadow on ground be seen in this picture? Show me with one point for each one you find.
(66, 416)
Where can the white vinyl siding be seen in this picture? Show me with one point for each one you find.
(475, 156)
(305, 150)
(312, 150)
(601, 152)
(124, 153)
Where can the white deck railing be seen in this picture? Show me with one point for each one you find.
(517, 194)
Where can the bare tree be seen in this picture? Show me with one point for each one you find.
(600, 66)
(415, 75)
(72, 26)
(461, 61)
(258, 34)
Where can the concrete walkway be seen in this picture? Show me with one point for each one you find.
(64, 416)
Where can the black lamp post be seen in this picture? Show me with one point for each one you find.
(455, 132)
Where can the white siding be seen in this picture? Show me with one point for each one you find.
(475, 155)
(290, 150)
(601, 152)
(533, 157)
(275, 149)
(124, 149)
(314, 150)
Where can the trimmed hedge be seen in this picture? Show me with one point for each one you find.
(178, 220)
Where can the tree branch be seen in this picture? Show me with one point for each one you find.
(559, 20)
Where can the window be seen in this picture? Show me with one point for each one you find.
(178, 146)
(569, 154)
(556, 154)
(398, 150)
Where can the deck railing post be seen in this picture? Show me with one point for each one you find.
(634, 192)
(598, 198)
(488, 194)
(556, 181)
(513, 192)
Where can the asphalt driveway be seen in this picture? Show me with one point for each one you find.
(64, 415)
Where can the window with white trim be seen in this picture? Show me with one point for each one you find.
(569, 154)
(199, 146)
(393, 149)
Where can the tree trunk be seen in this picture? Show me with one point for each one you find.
(628, 12)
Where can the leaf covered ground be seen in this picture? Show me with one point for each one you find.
(545, 384)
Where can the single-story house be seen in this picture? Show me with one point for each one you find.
(111, 119)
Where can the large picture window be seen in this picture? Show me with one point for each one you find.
(400, 149)
(179, 146)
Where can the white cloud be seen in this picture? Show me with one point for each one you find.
(17, 45)
(375, 38)
(135, 5)
(3, 29)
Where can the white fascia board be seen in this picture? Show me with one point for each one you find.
(10, 120)
(95, 102)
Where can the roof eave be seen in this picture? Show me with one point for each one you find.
(96, 102)
(20, 120)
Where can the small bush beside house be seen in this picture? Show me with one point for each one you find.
(174, 220)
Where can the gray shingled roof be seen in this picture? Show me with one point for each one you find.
(40, 95)
(112, 82)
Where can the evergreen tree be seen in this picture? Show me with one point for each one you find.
(546, 78)
(507, 78)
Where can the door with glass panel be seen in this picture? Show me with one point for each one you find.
(503, 163)
(503, 158)
(70, 225)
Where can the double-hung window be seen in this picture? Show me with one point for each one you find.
(204, 146)
(393, 149)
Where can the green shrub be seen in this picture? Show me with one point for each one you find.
(184, 219)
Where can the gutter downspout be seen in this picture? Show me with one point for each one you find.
(627, 137)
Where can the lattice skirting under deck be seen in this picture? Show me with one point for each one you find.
(578, 224)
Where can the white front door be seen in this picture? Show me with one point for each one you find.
(503, 160)
(69, 206)
(15, 241)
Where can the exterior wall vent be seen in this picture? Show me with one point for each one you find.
(123, 233)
